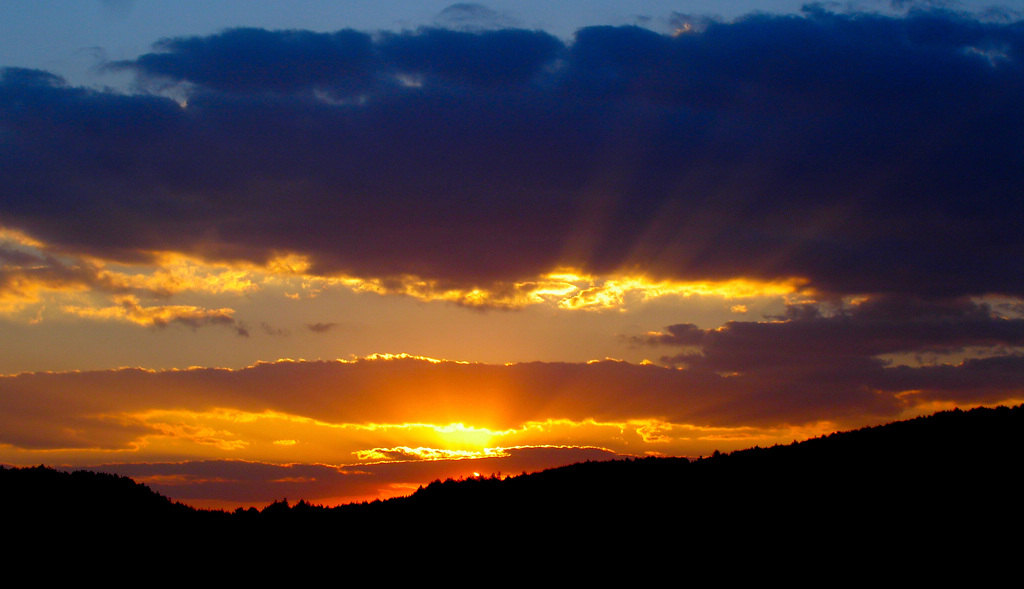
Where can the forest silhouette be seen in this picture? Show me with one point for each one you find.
(943, 487)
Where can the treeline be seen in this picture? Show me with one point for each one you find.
(927, 484)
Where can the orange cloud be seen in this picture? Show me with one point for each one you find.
(402, 409)
(562, 289)
(402, 453)
(343, 412)
(128, 309)
(30, 275)
(171, 274)
(29, 271)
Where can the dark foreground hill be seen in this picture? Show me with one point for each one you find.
(937, 491)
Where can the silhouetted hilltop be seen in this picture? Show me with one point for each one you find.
(945, 484)
(83, 495)
(953, 455)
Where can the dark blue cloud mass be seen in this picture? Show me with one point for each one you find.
(257, 60)
(865, 153)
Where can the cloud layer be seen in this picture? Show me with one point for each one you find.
(866, 364)
(864, 153)
(883, 352)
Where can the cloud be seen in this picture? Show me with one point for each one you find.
(257, 60)
(859, 153)
(129, 309)
(29, 270)
(321, 327)
(274, 331)
(887, 349)
(387, 423)
(683, 24)
(470, 16)
(803, 371)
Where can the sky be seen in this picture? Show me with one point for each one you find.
(251, 252)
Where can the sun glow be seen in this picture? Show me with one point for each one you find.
(458, 435)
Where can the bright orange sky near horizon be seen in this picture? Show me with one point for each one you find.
(358, 413)
(337, 264)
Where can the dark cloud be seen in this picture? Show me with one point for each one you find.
(209, 318)
(498, 58)
(257, 60)
(866, 153)
(274, 331)
(321, 327)
(860, 355)
(884, 325)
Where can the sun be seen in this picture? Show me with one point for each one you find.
(458, 436)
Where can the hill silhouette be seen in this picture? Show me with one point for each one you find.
(943, 487)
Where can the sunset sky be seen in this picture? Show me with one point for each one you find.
(251, 251)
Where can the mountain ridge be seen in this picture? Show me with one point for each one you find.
(937, 483)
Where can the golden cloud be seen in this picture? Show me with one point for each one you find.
(128, 309)
(562, 289)
(172, 274)
(30, 269)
